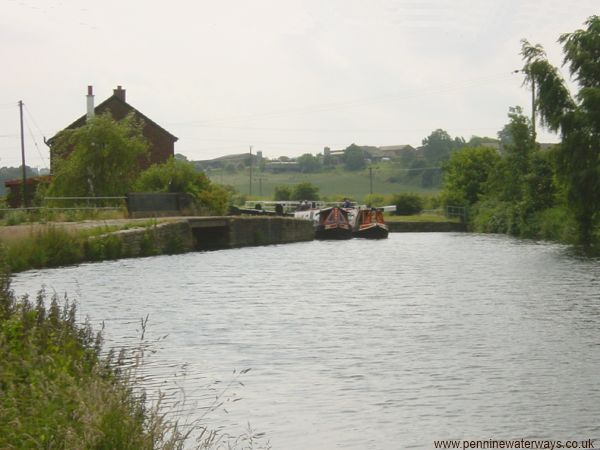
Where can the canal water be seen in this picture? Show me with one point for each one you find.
(359, 344)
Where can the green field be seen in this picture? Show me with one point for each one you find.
(333, 184)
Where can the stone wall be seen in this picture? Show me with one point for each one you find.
(248, 231)
(206, 234)
(162, 238)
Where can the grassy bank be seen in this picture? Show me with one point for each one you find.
(54, 246)
(42, 215)
(57, 391)
(551, 224)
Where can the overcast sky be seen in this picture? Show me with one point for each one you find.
(285, 76)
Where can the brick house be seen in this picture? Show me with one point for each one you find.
(161, 142)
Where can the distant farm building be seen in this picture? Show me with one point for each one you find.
(394, 151)
(371, 153)
(161, 142)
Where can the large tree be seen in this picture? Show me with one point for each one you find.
(354, 158)
(308, 163)
(102, 158)
(517, 155)
(438, 146)
(467, 172)
(577, 117)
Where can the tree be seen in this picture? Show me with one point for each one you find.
(505, 137)
(101, 158)
(283, 193)
(354, 158)
(305, 191)
(180, 157)
(482, 141)
(308, 163)
(540, 190)
(518, 154)
(176, 175)
(438, 146)
(467, 172)
(577, 118)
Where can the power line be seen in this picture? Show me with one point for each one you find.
(446, 87)
(33, 120)
(33, 137)
(36, 144)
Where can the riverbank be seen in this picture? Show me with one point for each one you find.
(57, 389)
(53, 245)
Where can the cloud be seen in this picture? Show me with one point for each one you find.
(293, 75)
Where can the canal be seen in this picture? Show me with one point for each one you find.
(358, 344)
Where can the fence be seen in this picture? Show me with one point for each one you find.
(74, 204)
(84, 203)
(137, 204)
(457, 211)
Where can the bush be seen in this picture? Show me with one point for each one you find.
(282, 193)
(99, 248)
(407, 204)
(305, 191)
(52, 247)
(494, 216)
(181, 176)
(376, 200)
(557, 223)
(15, 218)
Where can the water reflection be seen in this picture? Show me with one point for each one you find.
(365, 345)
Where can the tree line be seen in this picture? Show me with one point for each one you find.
(530, 192)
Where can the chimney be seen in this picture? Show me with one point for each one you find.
(119, 93)
(90, 103)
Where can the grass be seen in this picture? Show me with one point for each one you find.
(59, 389)
(45, 215)
(332, 184)
(56, 391)
(54, 246)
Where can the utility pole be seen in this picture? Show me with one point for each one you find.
(370, 180)
(24, 181)
(250, 190)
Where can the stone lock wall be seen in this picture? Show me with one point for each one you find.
(163, 238)
(248, 231)
(211, 233)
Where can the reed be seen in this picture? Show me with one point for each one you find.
(60, 389)
(56, 389)
(55, 246)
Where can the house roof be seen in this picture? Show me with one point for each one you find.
(396, 147)
(105, 106)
